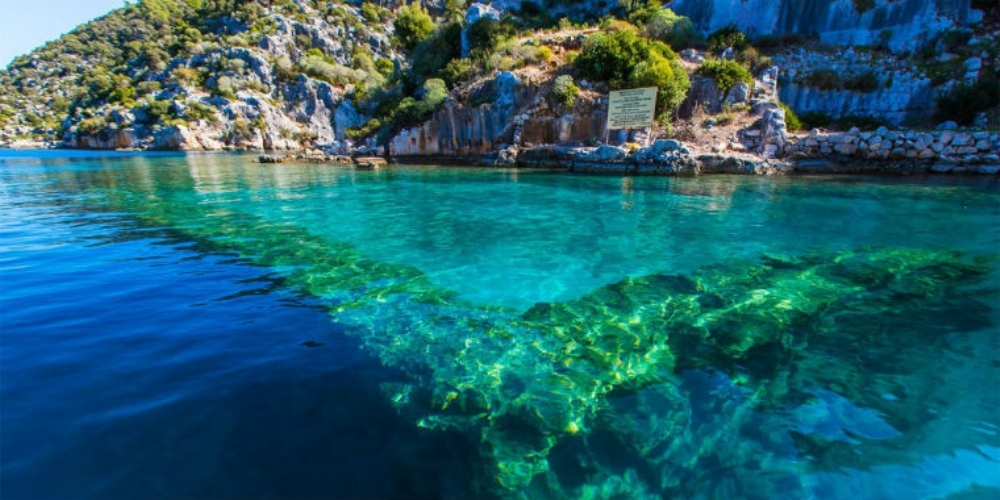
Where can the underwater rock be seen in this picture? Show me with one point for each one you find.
(669, 369)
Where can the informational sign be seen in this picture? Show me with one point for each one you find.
(633, 108)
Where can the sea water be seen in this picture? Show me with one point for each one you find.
(203, 326)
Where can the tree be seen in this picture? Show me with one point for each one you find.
(676, 31)
(625, 60)
(413, 24)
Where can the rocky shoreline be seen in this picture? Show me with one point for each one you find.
(911, 153)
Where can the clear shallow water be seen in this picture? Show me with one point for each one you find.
(202, 326)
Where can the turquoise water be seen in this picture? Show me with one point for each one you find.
(203, 326)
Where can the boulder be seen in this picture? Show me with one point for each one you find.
(606, 153)
(738, 94)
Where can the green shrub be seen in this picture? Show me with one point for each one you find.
(863, 6)
(432, 54)
(457, 71)
(670, 79)
(865, 82)
(565, 90)
(284, 70)
(613, 56)
(485, 35)
(823, 79)
(639, 11)
(792, 120)
(157, 110)
(778, 41)
(676, 31)
(626, 60)
(754, 60)
(195, 110)
(92, 126)
(188, 77)
(336, 74)
(828, 79)
(435, 91)
(370, 12)
(726, 73)
(384, 66)
(815, 119)
(964, 102)
(955, 39)
(859, 121)
(544, 53)
(413, 24)
(240, 130)
(729, 36)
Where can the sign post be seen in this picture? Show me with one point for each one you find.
(632, 108)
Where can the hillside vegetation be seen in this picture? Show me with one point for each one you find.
(288, 74)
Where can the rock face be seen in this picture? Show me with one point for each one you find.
(897, 92)
(514, 117)
(773, 132)
(243, 88)
(901, 25)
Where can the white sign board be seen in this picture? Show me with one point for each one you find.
(633, 108)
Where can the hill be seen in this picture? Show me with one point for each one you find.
(305, 74)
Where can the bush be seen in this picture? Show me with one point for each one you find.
(781, 41)
(432, 54)
(859, 121)
(676, 31)
(195, 110)
(823, 79)
(613, 56)
(486, 34)
(336, 74)
(815, 119)
(188, 77)
(730, 36)
(434, 92)
(158, 110)
(754, 60)
(828, 79)
(626, 60)
(726, 73)
(639, 11)
(792, 120)
(544, 53)
(865, 82)
(285, 71)
(863, 6)
(372, 13)
(964, 102)
(670, 79)
(457, 71)
(413, 24)
(565, 90)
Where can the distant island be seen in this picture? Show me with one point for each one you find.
(911, 83)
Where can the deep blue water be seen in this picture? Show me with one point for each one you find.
(152, 346)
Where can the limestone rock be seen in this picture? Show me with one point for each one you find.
(738, 94)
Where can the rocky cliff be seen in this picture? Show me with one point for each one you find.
(901, 25)
(277, 76)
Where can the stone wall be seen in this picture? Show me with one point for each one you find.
(938, 151)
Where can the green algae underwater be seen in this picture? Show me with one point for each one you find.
(547, 392)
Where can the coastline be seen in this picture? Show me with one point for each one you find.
(667, 157)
